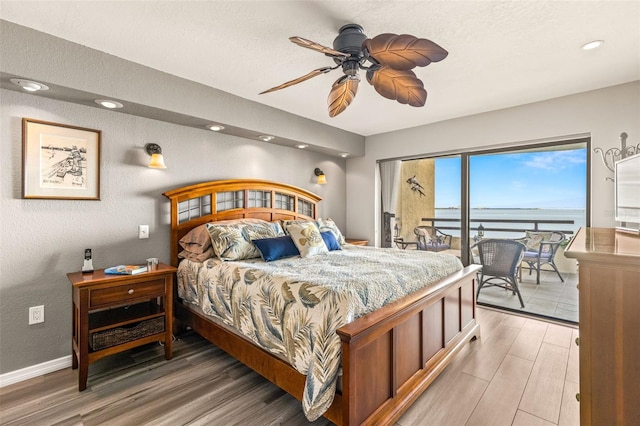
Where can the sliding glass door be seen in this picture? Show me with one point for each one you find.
(539, 192)
(537, 196)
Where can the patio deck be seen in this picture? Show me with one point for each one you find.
(551, 298)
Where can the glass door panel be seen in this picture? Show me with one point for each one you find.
(540, 194)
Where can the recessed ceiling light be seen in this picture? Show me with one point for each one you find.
(592, 44)
(28, 85)
(266, 138)
(107, 103)
(301, 146)
(344, 154)
(215, 127)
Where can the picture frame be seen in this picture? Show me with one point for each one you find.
(60, 161)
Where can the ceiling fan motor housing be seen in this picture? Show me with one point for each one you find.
(349, 40)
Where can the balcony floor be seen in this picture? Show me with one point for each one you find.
(552, 298)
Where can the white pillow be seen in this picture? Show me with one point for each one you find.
(307, 238)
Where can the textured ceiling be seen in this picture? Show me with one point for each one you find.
(501, 53)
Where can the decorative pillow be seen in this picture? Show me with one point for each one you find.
(330, 241)
(329, 225)
(533, 240)
(276, 248)
(197, 257)
(198, 240)
(233, 242)
(261, 230)
(229, 243)
(307, 239)
(286, 223)
(424, 233)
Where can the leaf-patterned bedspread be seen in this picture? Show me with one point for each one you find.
(293, 307)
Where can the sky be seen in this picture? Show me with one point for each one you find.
(550, 179)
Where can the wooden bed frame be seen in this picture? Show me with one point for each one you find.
(389, 357)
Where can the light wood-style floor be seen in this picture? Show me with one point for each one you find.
(521, 372)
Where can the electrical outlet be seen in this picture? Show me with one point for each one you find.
(143, 231)
(36, 314)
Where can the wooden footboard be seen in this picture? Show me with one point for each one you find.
(389, 357)
(392, 355)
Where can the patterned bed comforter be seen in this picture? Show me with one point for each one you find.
(292, 307)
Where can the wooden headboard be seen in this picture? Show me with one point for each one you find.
(205, 202)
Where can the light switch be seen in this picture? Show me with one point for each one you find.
(143, 231)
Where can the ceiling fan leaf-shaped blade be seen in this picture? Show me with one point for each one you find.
(305, 77)
(317, 47)
(399, 85)
(404, 51)
(342, 93)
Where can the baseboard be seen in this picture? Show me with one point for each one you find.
(34, 371)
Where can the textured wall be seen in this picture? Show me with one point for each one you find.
(42, 240)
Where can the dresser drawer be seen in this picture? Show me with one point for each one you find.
(122, 293)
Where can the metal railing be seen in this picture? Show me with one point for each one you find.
(534, 222)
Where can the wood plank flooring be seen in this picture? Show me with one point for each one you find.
(521, 372)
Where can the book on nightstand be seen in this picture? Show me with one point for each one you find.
(126, 270)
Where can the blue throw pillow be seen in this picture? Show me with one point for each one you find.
(276, 248)
(330, 240)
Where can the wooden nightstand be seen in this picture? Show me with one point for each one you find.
(114, 313)
(357, 241)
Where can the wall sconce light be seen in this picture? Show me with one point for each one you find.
(157, 160)
(322, 179)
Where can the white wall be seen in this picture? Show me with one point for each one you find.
(603, 114)
(42, 240)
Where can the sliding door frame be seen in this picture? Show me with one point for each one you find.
(465, 175)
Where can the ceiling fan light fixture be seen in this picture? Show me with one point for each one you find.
(592, 45)
(266, 138)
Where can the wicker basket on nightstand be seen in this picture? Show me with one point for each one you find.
(116, 336)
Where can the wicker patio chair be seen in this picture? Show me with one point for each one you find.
(431, 238)
(541, 248)
(500, 260)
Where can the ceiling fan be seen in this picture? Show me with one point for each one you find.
(390, 58)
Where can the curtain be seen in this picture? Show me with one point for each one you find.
(389, 180)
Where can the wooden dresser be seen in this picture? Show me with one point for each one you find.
(609, 296)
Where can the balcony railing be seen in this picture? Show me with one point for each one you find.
(535, 224)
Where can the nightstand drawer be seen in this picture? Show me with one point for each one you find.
(123, 293)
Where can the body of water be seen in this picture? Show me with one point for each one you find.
(578, 216)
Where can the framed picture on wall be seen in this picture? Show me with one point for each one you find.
(60, 161)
